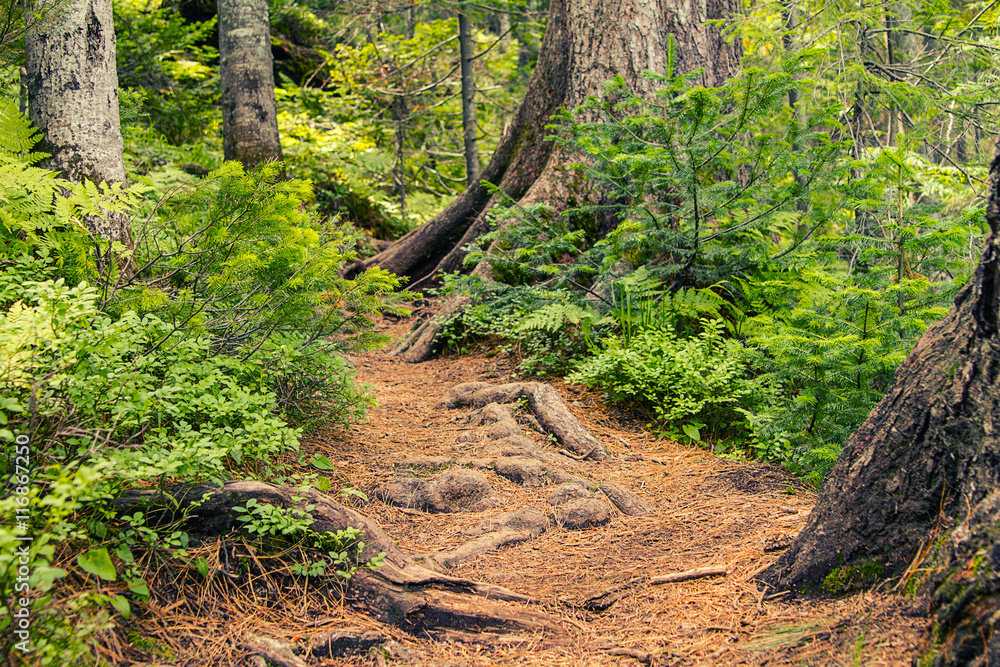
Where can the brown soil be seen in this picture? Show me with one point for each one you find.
(707, 511)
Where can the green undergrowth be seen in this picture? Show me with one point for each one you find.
(735, 302)
(199, 354)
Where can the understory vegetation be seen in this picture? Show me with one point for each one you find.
(199, 355)
(773, 257)
(778, 244)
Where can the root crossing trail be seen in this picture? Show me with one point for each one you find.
(638, 551)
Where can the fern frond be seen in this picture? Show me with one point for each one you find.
(17, 135)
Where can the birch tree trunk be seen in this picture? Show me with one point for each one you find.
(72, 89)
(249, 112)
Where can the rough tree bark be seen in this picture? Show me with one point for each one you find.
(586, 43)
(249, 112)
(72, 87)
(916, 490)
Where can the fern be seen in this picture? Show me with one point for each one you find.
(555, 316)
(41, 212)
(17, 136)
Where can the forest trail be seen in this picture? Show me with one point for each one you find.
(706, 511)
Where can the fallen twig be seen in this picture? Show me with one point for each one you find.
(697, 573)
(641, 656)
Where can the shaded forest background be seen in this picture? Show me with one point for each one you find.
(762, 256)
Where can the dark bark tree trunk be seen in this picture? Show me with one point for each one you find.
(249, 112)
(586, 43)
(72, 90)
(465, 47)
(916, 491)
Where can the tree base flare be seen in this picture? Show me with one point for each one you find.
(916, 491)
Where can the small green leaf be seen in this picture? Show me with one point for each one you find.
(98, 563)
(138, 587)
(44, 576)
(122, 605)
(321, 462)
(692, 432)
(201, 565)
(348, 492)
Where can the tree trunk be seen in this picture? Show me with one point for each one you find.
(72, 89)
(249, 112)
(586, 43)
(400, 112)
(916, 491)
(465, 47)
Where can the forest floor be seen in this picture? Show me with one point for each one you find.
(707, 511)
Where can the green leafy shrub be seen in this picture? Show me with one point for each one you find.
(311, 382)
(679, 379)
(554, 337)
(341, 549)
(827, 363)
(238, 258)
(172, 411)
(163, 370)
(540, 328)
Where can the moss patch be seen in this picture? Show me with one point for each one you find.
(853, 577)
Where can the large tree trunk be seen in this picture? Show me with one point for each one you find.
(249, 112)
(587, 42)
(916, 490)
(72, 86)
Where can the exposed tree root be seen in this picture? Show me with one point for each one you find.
(401, 591)
(550, 411)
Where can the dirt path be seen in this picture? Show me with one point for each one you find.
(706, 511)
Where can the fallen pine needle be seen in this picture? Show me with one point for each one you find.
(696, 573)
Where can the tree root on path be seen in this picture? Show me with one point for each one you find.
(501, 448)
(543, 401)
(401, 592)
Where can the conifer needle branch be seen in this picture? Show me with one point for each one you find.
(418, 91)
(490, 47)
